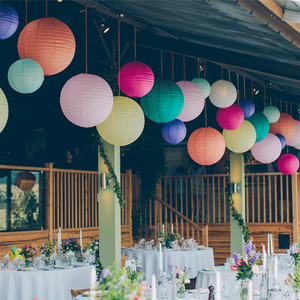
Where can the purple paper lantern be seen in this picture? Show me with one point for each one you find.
(9, 21)
(288, 164)
(173, 132)
(248, 108)
(231, 117)
(282, 140)
(135, 79)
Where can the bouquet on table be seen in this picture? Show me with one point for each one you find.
(293, 280)
(161, 238)
(166, 238)
(28, 252)
(47, 249)
(181, 278)
(71, 244)
(294, 253)
(134, 272)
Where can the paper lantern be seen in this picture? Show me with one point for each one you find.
(206, 146)
(135, 79)
(25, 181)
(173, 132)
(241, 139)
(231, 117)
(9, 21)
(295, 139)
(3, 110)
(223, 93)
(203, 85)
(285, 126)
(86, 100)
(25, 76)
(124, 124)
(261, 125)
(164, 102)
(49, 42)
(248, 108)
(288, 164)
(193, 101)
(267, 150)
(272, 113)
(282, 140)
(297, 147)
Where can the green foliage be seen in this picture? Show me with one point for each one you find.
(93, 247)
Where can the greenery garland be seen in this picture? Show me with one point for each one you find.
(117, 187)
(235, 214)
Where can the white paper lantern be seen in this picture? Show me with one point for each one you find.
(3, 110)
(295, 139)
(223, 93)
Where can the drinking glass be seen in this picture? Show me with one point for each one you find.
(1, 263)
(11, 265)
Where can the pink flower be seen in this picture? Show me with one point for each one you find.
(239, 262)
(255, 269)
(296, 251)
(178, 271)
(136, 297)
(160, 239)
(233, 268)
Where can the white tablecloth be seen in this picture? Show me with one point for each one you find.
(149, 260)
(55, 284)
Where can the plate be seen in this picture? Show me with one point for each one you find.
(80, 265)
(62, 267)
(29, 269)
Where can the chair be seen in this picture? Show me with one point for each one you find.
(78, 292)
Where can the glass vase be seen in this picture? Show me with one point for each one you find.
(27, 263)
(246, 289)
(181, 291)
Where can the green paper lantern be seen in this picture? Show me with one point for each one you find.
(261, 125)
(203, 85)
(164, 102)
(272, 113)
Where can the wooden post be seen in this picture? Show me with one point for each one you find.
(49, 200)
(129, 204)
(296, 207)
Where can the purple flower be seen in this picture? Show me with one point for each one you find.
(170, 266)
(248, 249)
(138, 268)
(106, 272)
(235, 256)
(254, 258)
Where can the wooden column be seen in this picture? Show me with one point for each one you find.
(49, 200)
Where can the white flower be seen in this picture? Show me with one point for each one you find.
(255, 269)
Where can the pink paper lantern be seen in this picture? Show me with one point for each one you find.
(231, 117)
(193, 101)
(135, 79)
(288, 164)
(86, 100)
(267, 150)
(295, 139)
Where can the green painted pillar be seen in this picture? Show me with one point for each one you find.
(237, 180)
(109, 210)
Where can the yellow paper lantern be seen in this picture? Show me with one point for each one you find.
(3, 110)
(241, 139)
(124, 124)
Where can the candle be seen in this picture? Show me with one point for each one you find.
(173, 285)
(157, 227)
(271, 243)
(153, 283)
(264, 258)
(80, 238)
(160, 260)
(93, 284)
(276, 267)
(218, 286)
(172, 229)
(163, 228)
(54, 240)
(59, 238)
(250, 290)
(268, 243)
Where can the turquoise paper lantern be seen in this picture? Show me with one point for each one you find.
(164, 102)
(261, 125)
(272, 113)
(25, 76)
(203, 85)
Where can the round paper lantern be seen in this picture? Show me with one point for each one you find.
(282, 140)
(231, 117)
(297, 147)
(25, 76)
(206, 146)
(193, 101)
(3, 110)
(135, 79)
(288, 164)
(241, 139)
(25, 181)
(295, 139)
(272, 113)
(86, 100)
(261, 125)
(164, 102)
(248, 108)
(173, 132)
(203, 85)
(49, 42)
(9, 21)
(285, 126)
(223, 93)
(267, 150)
(124, 124)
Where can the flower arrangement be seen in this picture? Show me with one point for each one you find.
(166, 238)
(173, 236)
(28, 252)
(246, 265)
(293, 279)
(47, 248)
(70, 245)
(294, 253)
(135, 272)
(181, 275)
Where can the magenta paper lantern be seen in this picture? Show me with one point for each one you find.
(86, 100)
(267, 150)
(135, 79)
(173, 132)
(295, 139)
(288, 164)
(193, 101)
(231, 117)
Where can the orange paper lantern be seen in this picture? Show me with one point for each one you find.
(285, 126)
(206, 146)
(49, 42)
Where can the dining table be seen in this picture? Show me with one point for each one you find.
(48, 283)
(148, 260)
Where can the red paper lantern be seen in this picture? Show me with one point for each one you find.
(231, 117)
(285, 126)
(288, 164)
(49, 42)
(206, 146)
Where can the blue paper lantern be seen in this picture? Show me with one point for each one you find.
(173, 132)
(25, 76)
(164, 102)
(248, 108)
(9, 21)
(282, 140)
(261, 125)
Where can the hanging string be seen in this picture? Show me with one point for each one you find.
(46, 8)
(265, 100)
(25, 12)
(134, 41)
(198, 65)
(244, 87)
(161, 65)
(172, 66)
(252, 90)
(86, 55)
(204, 67)
(270, 101)
(183, 61)
(229, 77)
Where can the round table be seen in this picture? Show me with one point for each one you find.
(149, 260)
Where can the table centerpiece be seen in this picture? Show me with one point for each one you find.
(181, 278)
(293, 281)
(295, 253)
(28, 253)
(46, 249)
